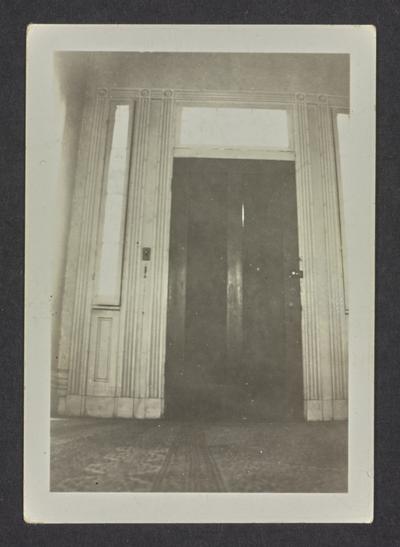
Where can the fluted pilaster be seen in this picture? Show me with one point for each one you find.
(146, 286)
(161, 250)
(308, 257)
(335, 289)
(132, 288)
(91, 194)
(323, 311)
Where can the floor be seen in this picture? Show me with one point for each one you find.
(103, 455)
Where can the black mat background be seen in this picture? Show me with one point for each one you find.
(14, 16)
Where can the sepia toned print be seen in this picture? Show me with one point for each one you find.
(203, 310)
(199, 287)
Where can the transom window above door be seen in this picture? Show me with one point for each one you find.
(225, 127)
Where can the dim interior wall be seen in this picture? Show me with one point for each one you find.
(272, 73)
(69, 93)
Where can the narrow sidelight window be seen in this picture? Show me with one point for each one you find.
(111, 235)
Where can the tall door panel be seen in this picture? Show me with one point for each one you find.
(233, 343)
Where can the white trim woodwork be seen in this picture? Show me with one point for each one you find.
(233, 153)
(136, 377)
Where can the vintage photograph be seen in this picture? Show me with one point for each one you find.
(200, 290)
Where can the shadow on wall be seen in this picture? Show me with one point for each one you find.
(69, 101)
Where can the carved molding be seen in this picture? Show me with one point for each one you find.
(323, 318)
(132, 285)
(336, 303)
(74, 235)
(234, 153)
(103, 352)
(308, 255)
(147, 285)
(241, 98)
(79, 340)
(161, 248)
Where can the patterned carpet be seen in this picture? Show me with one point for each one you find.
(97, 455)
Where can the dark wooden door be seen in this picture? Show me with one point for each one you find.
(233, 328)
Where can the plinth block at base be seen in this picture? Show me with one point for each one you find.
(147, 408)
(74, 405)
(124, 407)
(325, 410)
(340, 410)
(100, 407)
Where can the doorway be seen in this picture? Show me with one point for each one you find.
(234, 314)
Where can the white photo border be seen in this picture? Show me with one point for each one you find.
(43, 506)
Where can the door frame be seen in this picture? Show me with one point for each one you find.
(138, 381)
(325, 387)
